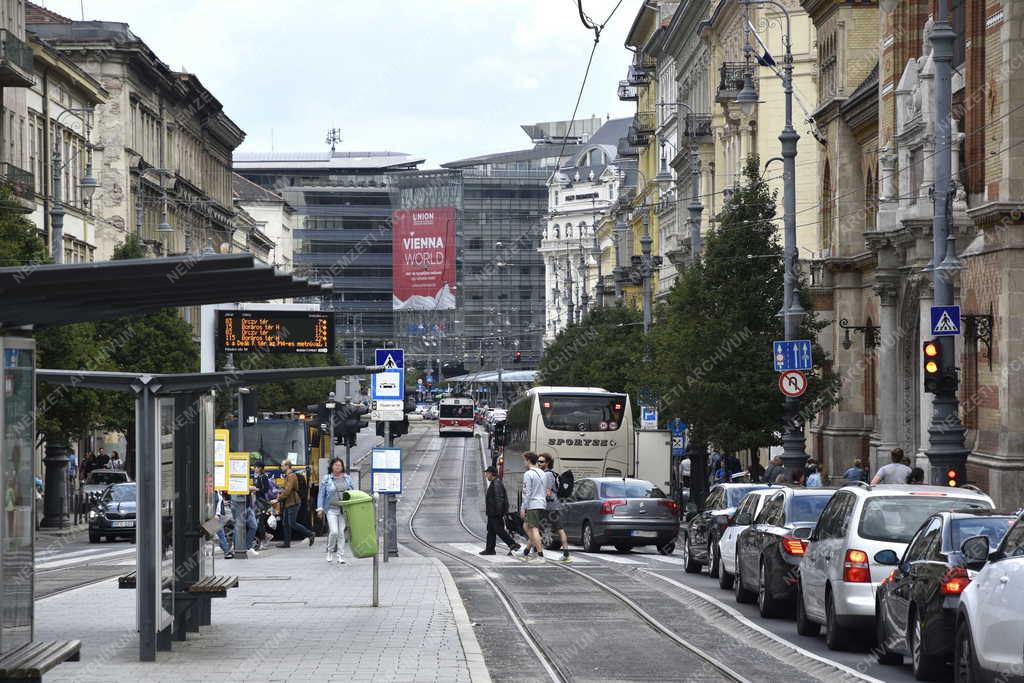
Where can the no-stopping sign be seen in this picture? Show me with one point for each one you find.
(792, 383)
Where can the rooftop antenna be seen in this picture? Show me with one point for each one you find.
(333, 138)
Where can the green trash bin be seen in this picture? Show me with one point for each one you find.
(361, 519)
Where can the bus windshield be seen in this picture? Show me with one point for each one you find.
(582, 413)
(449, 411)
(274, 440)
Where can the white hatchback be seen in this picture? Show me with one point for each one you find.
(744, 517)
(839, 574)
(990, 628)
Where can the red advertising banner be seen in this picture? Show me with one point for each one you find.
(423, 259)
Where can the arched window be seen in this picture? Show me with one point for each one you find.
(827, 215)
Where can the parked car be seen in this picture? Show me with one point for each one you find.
(746, 512)
(99, 480)
(625, 513)
(768, 552)
(702, 531)
(839, 572)
(113, 515)
(916, 606)
(989, 628)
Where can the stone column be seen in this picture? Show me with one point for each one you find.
(888, 372)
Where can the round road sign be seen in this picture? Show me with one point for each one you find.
(792, 383)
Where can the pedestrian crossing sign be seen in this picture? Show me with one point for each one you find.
(945, 321)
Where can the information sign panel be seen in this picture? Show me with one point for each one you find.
(275, 331)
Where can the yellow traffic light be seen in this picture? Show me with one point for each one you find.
(931, 367)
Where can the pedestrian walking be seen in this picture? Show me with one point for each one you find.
(775, 468)
(916, 476)
(266, 492)
(496, 506)
(816, 479)
(732, 465)
(896, 472)
(102, 459)
(115, 462)
(332, 488)
(88, 464)
(289, 501)
(244, 538)
(534, 505)
(220, 497)
(857, 472)
(546, 462)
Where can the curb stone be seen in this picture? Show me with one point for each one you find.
(478, 672)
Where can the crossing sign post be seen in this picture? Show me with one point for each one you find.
(945, 321)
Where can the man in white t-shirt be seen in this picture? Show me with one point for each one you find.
(893, 473)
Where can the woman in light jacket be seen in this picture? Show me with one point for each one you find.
(334, 484)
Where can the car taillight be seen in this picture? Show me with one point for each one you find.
(955, 581)
(890, 578)
(671, 505)
(791, 545)
(608, 506)
(856, 568)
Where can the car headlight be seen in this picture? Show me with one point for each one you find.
(92, 514)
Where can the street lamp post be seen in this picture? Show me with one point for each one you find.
(793, 454)
(617, 238)
(584, 294)
(87, 185)
(946, 448)
(330, 405)
(646, 272)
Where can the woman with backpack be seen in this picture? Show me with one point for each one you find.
(332, 488)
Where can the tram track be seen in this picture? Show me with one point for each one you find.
(710, 663)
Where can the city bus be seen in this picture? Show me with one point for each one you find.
(588, 430)
(455, 416)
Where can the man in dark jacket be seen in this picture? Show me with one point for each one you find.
(496, 506)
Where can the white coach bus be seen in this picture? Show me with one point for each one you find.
(588, 430)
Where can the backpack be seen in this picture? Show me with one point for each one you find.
(564, 484)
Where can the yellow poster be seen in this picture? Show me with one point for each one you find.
(221, 447)
(238, 474)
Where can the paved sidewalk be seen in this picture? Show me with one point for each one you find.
(293, 618)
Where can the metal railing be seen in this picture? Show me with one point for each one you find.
(626, 148)
(627, 91)
(636, 138)
(731, 79)
(14, 50)
(645, 122)
(638, 75)
(697, 125)
(21, 182)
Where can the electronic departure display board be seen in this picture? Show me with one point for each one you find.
(275, 331)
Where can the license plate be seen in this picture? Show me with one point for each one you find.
(644, 534)
(123, 523)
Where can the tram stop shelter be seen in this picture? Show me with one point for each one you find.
(174, 419)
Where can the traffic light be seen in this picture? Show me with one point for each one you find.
(518, 357)
(347, 423)
(952, 477)
(936, 378)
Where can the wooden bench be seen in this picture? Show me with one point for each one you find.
(29, 662)
(192, 604)
(127, 581)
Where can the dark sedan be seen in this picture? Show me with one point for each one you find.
(625, 513)
(915, 607)
(702, 532)
(113, 516)
(768, 552)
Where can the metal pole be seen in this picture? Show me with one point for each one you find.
(945, 432)
(376, 556)
(793, 454)
(57, 210)
(645, 250)
(695, 206)
(387, 525)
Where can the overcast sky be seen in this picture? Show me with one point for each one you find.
(442, 79)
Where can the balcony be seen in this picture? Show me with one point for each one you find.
(637, 75)
(645, 122)
(731, 80)
(21, 182)
(697, 125)
(15, 62)
(627, 92)
(626, 149)
(636, 139)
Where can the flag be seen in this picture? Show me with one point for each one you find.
(766, 60)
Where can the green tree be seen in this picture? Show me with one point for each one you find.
(20, 243)
(601, 351)
(281, 396)
(713, 337)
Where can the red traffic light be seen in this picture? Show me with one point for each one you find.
(518, 357)
(952, 478)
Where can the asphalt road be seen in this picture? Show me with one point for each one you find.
(590, 632)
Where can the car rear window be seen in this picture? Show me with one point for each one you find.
(992, 527)
(631, 490)
(107, 477)
(806, 508)
(895, 519)
(734, 494)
